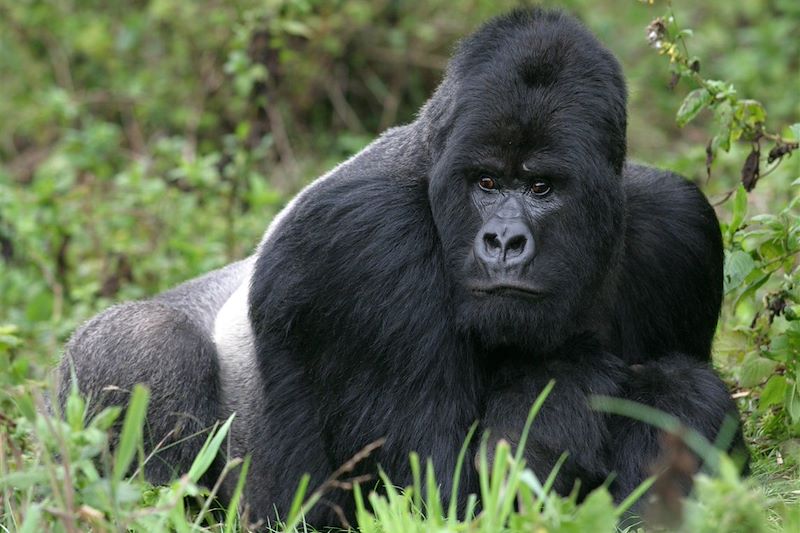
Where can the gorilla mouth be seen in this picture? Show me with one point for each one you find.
(514, 290)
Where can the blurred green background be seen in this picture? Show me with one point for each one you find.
(145, 142)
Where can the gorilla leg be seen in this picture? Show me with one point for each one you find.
(165, 343)
(153, 344)
(682, 387)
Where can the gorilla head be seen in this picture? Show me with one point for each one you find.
(531, 137)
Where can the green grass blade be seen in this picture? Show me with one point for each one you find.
(483, 467)
(208, 452)
(296, 509)
(433, 498)
(131, 433)
(634, 496)
(551, 477)
(452, 517)
(664, 421)
(535, 408)
(416, 481)
(233, 507)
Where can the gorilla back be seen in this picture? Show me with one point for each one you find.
(440, 277)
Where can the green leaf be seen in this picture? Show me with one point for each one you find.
(25, 479)
(755, 280)
(780, 349)
(755, 370)
(739, 210)
(106, 418)
(723, 115)
(769, 220)
(721, 89)
(75, 410)
(795, 129)
(738, 265)
(793, 402)
(751, 112)
(33, 520)
(596, 513)
(26, 406)
(694, 102)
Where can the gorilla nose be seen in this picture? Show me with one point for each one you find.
(504, 243)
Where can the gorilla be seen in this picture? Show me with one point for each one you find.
(442, 276)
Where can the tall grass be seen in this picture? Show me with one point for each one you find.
(58, 473)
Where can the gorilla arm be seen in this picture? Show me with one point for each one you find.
(665, 316)
(566, 422)
(353, 336)
(659, 325)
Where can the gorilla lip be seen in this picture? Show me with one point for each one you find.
(508, 289)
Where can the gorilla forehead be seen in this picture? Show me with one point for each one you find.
(536, 80)
(507, 134)
(538, 47)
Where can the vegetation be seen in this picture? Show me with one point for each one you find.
(143, 143)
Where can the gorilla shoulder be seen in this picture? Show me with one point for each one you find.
(671, 274)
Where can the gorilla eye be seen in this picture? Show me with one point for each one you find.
(540, 188)
(487, 183)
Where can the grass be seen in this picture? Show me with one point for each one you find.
(58, 474)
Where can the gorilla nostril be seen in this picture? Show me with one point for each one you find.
(492, 243)
(516, 245)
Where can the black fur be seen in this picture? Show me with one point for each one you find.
(403, 296)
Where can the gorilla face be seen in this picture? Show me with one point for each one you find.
(527, 197)
(538, 237)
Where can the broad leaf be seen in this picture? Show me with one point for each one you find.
(737, 266)
(694, 102)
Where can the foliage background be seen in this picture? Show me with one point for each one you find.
(145, 142)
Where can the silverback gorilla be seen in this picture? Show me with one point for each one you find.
(443, 276)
